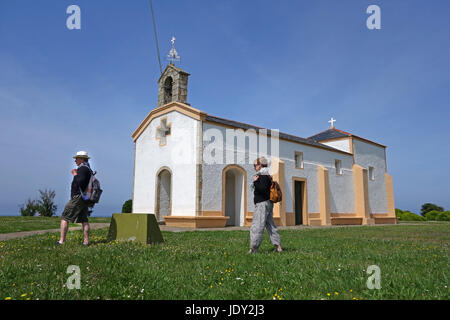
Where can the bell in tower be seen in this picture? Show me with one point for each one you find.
(173, 82)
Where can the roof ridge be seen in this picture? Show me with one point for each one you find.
(319, 133)
(281, 134)
(342, 131)
(247, 124)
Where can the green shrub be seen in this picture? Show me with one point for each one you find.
(46, 205)
(432, 215)
(437, 216)
(408, 216)
(429, 207)
(29, 209)
(127, 206)
(444, 216)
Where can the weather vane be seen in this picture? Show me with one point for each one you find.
(173, 54)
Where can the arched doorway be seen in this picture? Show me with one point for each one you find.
(163, 205)
(234, 195)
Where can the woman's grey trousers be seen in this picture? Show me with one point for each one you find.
(263, 219)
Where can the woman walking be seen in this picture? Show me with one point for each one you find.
(263, 214)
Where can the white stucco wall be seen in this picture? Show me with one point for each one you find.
(179, 155)
(341, 187)
(212, 172)
(341, 144)
(368, 154)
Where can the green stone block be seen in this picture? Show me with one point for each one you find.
(135, 227)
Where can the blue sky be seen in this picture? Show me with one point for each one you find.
(62, 91)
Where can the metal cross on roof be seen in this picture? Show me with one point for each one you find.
(173, 54)
(332, 121)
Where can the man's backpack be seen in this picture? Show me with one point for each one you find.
(93, 190)
(275, 192)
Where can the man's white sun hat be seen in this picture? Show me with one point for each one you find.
(81, 154)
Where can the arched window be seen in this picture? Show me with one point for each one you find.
(168, 84)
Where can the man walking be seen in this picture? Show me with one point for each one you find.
(76, 210)
(263, 215)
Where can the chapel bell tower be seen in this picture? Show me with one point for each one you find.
(172, 85)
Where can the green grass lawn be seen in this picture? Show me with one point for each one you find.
(10, 224)
(318, 263)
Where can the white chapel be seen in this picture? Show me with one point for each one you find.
(193, 169)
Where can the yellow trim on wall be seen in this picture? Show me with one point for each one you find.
(342, 215)
(211, 213)
(361, 191)
(172, 106)
(324, 195)
(352, 149)
(314, 215)
(390, 195)
(279, 208)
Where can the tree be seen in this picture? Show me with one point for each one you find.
(29, 209)
(46, 205)
(127, 206)
(427, 207)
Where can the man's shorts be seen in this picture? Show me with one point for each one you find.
(76, 210)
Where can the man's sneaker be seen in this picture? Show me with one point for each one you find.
(85, 244)
(59, 243)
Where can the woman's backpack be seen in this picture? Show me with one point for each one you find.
(275, 192)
